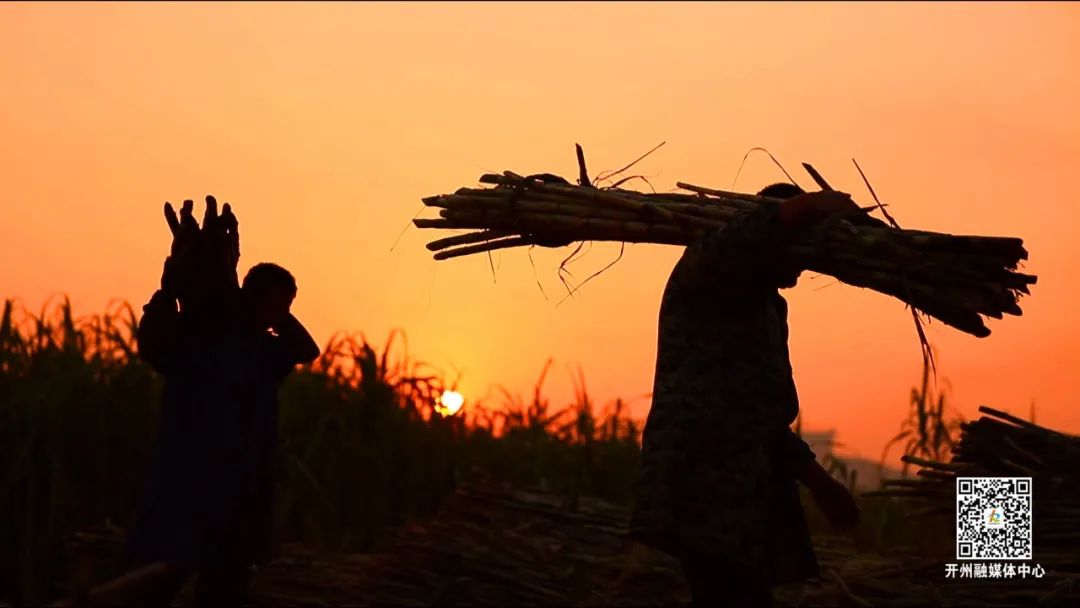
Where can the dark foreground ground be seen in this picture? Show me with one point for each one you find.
(492, 546)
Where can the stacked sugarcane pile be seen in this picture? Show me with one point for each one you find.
(495, 546)
(956, 279)
(490, 546)
(907, 579)
(1001, 445)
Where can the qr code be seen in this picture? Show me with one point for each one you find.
(993, 518)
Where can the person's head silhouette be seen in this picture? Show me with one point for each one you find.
(781, 190)
(268, 293)
(787, 272)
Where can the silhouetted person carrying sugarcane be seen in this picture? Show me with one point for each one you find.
(224, 352)
(720, 463)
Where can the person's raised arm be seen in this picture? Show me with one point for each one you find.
(159, 328)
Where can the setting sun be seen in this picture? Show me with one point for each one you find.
(450, 403)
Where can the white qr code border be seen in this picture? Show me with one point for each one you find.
(980, 535)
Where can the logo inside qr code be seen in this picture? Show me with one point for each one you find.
(993, 518)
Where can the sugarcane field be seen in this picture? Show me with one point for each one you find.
(630, 304)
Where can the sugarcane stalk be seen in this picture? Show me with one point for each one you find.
(1008, 247)
(746, 201)
(555, 206)
(1023, 423)
(936, 476)
(678, 203)
(591, 195)
(594, 229)
(466, 239)
(517, 241)
(914, 293)
(533, 204)
(930, 464)
(446, 223)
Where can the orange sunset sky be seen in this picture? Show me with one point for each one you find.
(324, 125)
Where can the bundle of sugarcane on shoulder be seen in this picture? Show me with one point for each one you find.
(955, 279)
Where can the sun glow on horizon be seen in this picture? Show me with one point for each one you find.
(450, 403)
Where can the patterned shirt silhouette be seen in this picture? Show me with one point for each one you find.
(719, 458)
